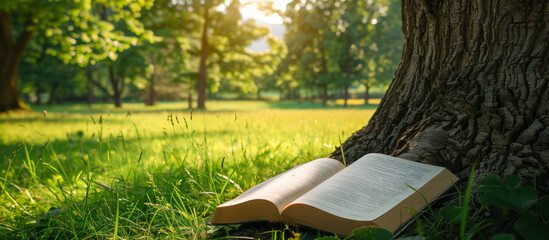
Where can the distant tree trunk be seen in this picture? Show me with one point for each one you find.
(202, 75)
(53, 91)
(346, 96)
(297, 95)
(117, 84)
(324, 70)
(11, 53)
(472, 87)
(347, 73)
(258, 94)
(26, 96)
(190, 97)
(89, 76)
(209, 94)
(117, 97)
(366, 93)
(151, 99)
(152, 92)
(38, 92)
(324, 95)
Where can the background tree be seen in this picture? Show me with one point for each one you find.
(352, 28)
(168, 56)
(383, 46)
(251, 71)
(333, 44)
(267, 64)
(120, 66)
(310, 37)
(472, 89)
(224, 37)
(82, 36)
(41, 73)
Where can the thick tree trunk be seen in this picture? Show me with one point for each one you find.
(472, 87)
(11, 54)
(201, 87)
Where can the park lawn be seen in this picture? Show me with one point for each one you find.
(151, 172)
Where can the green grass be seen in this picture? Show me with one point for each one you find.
(150, 172)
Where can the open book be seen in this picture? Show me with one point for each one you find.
(324, 194)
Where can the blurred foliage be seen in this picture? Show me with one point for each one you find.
(338, 44)
(77, 29)
(98, 47)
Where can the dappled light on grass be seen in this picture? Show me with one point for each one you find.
(157, 171)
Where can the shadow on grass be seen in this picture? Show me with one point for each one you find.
(211, 106)
(71, 148)
(267, 230)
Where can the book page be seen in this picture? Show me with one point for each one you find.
(286, 187)
(369, 187)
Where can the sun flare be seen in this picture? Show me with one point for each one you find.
(251, 11)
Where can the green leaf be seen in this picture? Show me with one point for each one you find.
(452, 213)
(490, 180)
(372, 233)
(503, 236)
(412, 238)
(516, 198)
(327, 238)
(511, 181)
(543, 208)
(505, 193)
(530, 226)
(489, 183)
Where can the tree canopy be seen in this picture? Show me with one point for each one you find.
(126, 48)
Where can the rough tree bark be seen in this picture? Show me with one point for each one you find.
(472, 87)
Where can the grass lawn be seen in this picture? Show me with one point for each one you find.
(151, 172)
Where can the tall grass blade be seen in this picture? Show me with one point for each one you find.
(117, 217)
(466, 205)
